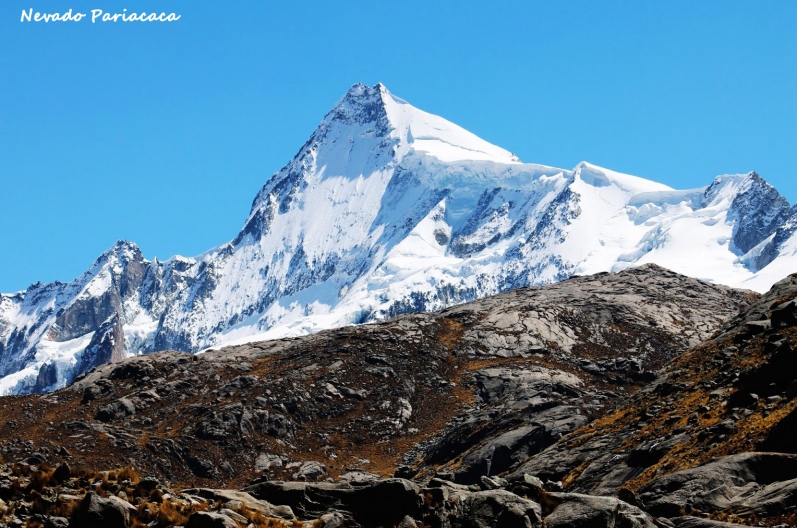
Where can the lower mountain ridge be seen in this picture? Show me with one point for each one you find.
(641, 398)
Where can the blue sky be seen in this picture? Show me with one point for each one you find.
(163, 133)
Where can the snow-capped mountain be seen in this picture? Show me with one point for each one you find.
(388, 209)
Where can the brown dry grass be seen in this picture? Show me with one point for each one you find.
(574, 474)
(66, 509)
(40, 479)
(450, 333)
(167, 513)
(127, 473)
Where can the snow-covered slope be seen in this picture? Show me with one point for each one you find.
(388, 209)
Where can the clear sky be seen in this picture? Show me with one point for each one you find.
(163, 133)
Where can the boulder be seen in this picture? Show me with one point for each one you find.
(527, 485)
(210, 520)
(573, 510)
(116, 410)
(56, 522)
(745, 483)
(96, 512)
(307, 501)
(490, 508)
(267, 462)
(310, 470)
(201, 467)
(225, 496)
(332, 520)
(62, 473)
(385, 502)
(784, 314)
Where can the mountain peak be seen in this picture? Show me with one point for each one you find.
(362, 105)
(756, 208)
(122, 250)
(728, 186)
(385, 115)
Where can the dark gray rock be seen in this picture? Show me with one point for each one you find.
(487, 509)
(114, 411)
(773, 499)
(527, 486)
(747, 483)
(308, 501)
(572, 510)
(505, 451)
(96, 390)
(386, 502)
(48, 376)
(106, 345)
(56, 522)
(148, 483)
(380, 503)
(784, 315)
(332, 520)
(201, 467)
(96, 512)
(310, 470)
(62, 473)
(267, 461)
(210, 520)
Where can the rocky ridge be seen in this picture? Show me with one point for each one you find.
(711, 436)
(463, 408)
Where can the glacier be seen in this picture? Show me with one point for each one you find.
(388, 209)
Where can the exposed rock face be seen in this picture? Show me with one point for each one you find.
(527, 404)
(776, 246)
(728, 396)
(751, 228)
(47, 377)
(106, 345)
(571, 510)
(761, 484)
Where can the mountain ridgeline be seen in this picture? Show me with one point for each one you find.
(386, 210)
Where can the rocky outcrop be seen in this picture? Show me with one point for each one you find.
(107, 345)
(757, 208)
(687, 442)
(571, 510)
(761, 484)
(600, 422)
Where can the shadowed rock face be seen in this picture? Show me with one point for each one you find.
(783, 233)
(90, 313)
(752, 229)
(106, 345)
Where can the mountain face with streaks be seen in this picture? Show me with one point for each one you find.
(387, 209)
